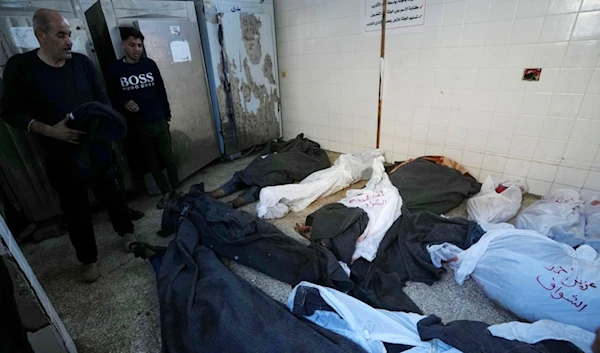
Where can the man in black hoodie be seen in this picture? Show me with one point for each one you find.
(40, 90)
(137, 90)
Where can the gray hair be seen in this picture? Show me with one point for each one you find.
(41, 19)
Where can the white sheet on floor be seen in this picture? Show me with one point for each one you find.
(556, 214)
(544, 330)
(369, 327)
(564, 216)
(531, 275)
(277, 201)
(381, 201)
(592, 218)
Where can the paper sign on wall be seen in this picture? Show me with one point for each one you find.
(24, 37)
(402, 16)
(180, 50)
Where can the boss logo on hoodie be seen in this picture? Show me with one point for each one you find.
(137, 81)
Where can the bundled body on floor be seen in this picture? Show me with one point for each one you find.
(189, 295)
(279, 163)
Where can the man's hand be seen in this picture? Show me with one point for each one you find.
(60, 131)
(132, 106)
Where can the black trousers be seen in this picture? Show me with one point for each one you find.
(155, 148)
(13, 337)
(72, 191)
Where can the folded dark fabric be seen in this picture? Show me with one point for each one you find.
(99, 121)
(473, 337)
(102, 125)
(206, 308)
(427, 186)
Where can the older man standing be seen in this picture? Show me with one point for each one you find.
(41, 88)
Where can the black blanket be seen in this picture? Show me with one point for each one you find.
(285, 162)
(206, 308)
(427, 186)
(473, 337)
(337, 227)
(102, 125)
(279, 163)
(239, 236)
(255, 243)
(402, 255)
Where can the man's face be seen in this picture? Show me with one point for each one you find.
(57, 41)
(133, 48)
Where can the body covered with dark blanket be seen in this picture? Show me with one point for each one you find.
(402, 254)
(285, 162)
(279, 163)
(427, 186)
(240, 236)
(338, 227)
(255, 243)
(206, 308)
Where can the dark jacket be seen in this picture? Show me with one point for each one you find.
(102, 125)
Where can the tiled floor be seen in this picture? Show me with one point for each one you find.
(119, 313)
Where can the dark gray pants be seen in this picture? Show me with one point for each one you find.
(154, 142)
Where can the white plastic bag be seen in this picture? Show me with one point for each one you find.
(531, 275)
(277, 201)
(382, 202)
(558, 215)
(492, 207)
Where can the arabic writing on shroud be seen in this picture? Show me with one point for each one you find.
(563, 284)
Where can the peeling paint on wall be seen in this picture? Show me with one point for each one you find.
(251, 36)
(268, 69)
(250, 67)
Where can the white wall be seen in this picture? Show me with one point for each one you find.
(454, 89)
(331, 89)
